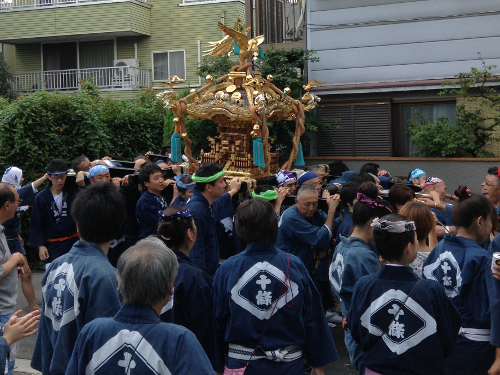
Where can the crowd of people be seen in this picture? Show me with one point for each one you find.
(191, 275)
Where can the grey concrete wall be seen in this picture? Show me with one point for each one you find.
(453, 173)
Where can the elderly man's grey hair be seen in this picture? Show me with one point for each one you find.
(146, 272)
(306, 189)
(315, 168)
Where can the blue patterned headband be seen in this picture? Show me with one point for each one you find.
(177, 216)
(55, 173)
(182, 184)
(416, 173)
(96, 170)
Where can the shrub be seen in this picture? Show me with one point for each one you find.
(39, 127)
(472, 128)
(134, 125)
(215, 66)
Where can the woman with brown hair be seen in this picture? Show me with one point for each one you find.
(425, 221)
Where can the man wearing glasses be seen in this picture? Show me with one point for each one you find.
(11, 264)
(52, 228)
(311, 178)
(491, 187)
(320, 172)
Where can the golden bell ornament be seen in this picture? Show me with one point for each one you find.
(253, 134)
(209, 78)
(184, 135)
(270, 77)
(256, 127)
(287, 90)
(192, 90)
(176, 120)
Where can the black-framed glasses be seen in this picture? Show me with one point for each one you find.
(60, 177)
(489, 184)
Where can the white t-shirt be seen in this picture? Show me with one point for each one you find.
(58, 200)
(418, 263)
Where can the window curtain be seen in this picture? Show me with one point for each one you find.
(160, 66)
(177, 66)
(96, 54)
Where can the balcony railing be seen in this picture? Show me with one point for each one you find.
(7, 5)
(116, 78)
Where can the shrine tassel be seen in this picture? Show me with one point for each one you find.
(175, 155)
(299, 161)
(261, 54)
(236, 47)
(258, 153)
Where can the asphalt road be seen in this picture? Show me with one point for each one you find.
(27, 344)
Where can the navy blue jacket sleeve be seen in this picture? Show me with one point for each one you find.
(493, 286)
(38, 230)
(198, 252)
(4, 353)
(223, 207)
(147, 217)
(27, 195)
(311, 235)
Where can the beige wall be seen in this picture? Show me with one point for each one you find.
(93, 18)
(175, 27)
(489, 113)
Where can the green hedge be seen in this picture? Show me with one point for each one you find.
(41, 126)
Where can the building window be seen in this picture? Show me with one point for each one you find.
(402, 144)
(166, 64)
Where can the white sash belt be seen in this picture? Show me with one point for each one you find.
(115, 243)
(475, 334)
(288, 354)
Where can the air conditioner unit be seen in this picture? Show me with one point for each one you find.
(126, 62)
(125, 73)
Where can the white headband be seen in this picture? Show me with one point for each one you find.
(393, 226)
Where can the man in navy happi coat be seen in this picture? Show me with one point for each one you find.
(210, 185)
(151, 200)
(303, 228)
(264, 296)
(52, 228)
(80, 286)
(135, 340)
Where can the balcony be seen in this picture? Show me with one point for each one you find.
(7, 5)
(64, 20)
(110, 79)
